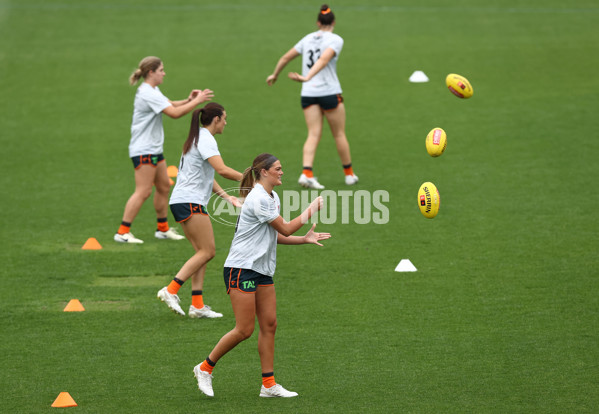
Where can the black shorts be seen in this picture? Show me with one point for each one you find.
(325, 102)
(184, 211)
(147, 159)
(245, 280)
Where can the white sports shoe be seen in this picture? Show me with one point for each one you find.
(276, 391)
(205, 312)
(127, 238)
(172, 301)
(309, 182)
(204, 381)
(170, 234)
(351, 179)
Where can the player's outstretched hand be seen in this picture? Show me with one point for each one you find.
(313, 238)
(201, 95)
(205, 95)
(297, 77)
(235, 201)
(312, 209)
(271, 80)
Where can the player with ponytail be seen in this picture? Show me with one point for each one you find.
(195, 184)
(250, 267)
(146, 146)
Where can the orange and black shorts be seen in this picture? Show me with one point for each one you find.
(184, 211)
(147, 159)
(245, 280)
(325, 102)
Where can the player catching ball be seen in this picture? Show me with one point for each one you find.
(146, 146)
(250, 267)
(321, 94)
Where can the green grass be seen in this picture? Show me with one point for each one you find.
(502, 314)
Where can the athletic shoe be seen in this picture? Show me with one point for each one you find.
(205, 312)
(170, 234)
(309, 182)
(204, 381)
(351, 179)
(127, 238)
(172, 301)
(276, 390)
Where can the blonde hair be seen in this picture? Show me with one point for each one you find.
(147, 64)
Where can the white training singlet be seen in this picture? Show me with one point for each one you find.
(196, 175)
(325, 82)
(254, 245)
(147, 134)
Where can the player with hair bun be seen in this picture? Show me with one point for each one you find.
(321, 94)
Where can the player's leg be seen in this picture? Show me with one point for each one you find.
(198, 229)
(314, 118)
(244, 307)
(266, 312)
(163, 187)
(336, 119)
(144, 180)
(198, 308)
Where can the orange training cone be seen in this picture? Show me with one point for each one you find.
(64, 399)
(74, 306)
(172, 171)
(91, 244)
(171, 182)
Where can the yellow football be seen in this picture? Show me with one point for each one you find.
(429, 200)
(436, 142)
(459, 86)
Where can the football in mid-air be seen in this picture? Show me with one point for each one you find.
(429, 200)
(436, 142)
(459, 86)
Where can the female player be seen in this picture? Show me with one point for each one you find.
(321, 94)
(195, 183)
(250, 267)
(146, 146)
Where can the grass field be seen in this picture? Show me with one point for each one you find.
(503, 313)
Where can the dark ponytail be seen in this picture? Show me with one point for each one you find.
(204, 115)
(252, 174)
(326, 17)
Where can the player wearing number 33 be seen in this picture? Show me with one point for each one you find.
(321, 94)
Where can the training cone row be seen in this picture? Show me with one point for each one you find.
(64, 399)
(91, 244)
